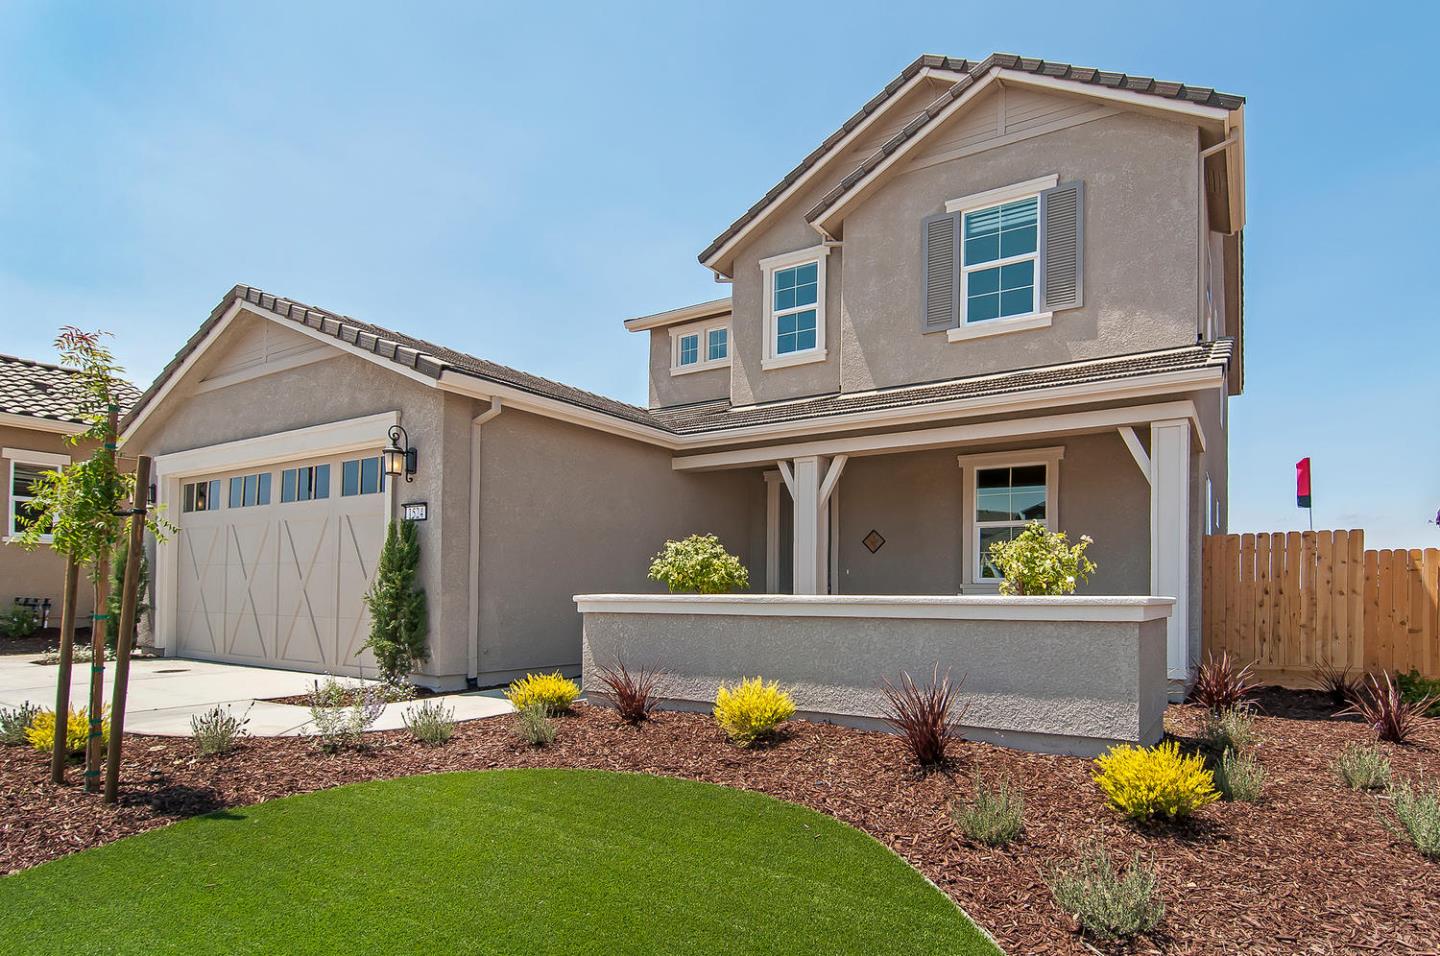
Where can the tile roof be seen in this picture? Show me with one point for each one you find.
(40, 390)
(974, 71)
(703, 418)
(717, 417)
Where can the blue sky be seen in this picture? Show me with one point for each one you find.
(514, 180)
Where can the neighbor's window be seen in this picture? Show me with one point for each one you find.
(361, 476)
(310, 483)
(689, 349)
(717, 344)
(22, 512)
(1006, 500)
(795, 310)
(247, 491)
(201, 496)
(1000, 260)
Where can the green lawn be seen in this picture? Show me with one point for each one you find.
(506, 861)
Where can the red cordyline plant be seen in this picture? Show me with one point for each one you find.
(1219, 686)
(926, 717)
(634, 693)
(1386, 710)
(1336, 681)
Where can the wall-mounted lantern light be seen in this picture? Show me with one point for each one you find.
(400, 458)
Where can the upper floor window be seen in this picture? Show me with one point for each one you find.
(201, 496)
(998, 276)
(794, 307)
(361, 476)
(247, 491)
(697, 347)
(311, 482)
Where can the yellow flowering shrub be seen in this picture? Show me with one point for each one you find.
(557, 693)
(752, 709)
(1147, 782)
(41, 732)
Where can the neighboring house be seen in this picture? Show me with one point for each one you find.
(1004, 290)
(39, 411)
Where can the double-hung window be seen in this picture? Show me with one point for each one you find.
(1004, 493)
(695, 348)
(1000, 258)
(22, 479)
(794, 286)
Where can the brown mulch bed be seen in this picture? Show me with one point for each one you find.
(41, 642)
(1310, 869)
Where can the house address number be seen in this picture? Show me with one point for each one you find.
(416, 510)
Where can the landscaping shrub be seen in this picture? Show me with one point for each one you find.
(18, 622)
(41, 732)
(1109, 905)
(1414, 687)
(398, 616)
(1363, 767)
(1418, 810)
(533, 724)
(14, 721)
(927, 718)
(1335, 681)
(752, 709)
(1386, 710)
(698, 565)
(1039, 561)
(633, 694)
(430, 722)
(1219, 686)
(1230, 729)
(1238, 776)
(217, 730)
(1147, 782)
(340, 715)
(993, 817)
(557, 693)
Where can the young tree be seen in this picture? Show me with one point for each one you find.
(398, 616)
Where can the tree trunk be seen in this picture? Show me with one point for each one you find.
(129, 598)
(59, 754)
(94, 744)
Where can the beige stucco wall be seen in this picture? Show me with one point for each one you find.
(1067, 687)
(667, 389)
(566, 509)
(39, 573)
(915, 501)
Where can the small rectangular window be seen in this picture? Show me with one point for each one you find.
(717, 344)
(322, 481)
(350, 478)
(237, 492)
(369, 476)
(689, 349)
(1006, 500)
(22, 491)
(188, 504)
(287, 485)
(262, 496)
(252, 487)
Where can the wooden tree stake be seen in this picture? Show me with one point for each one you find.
(124, 638)
(94, 744)
(59, 754)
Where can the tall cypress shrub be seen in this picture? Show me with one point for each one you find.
(398, 616)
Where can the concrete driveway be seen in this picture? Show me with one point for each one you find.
(165, 692)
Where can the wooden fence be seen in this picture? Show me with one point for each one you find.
(1288, 601)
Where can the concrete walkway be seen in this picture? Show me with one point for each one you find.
(165, 692)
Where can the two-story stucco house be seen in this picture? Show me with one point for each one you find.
(1003, 290)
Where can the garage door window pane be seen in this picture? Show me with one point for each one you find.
(350, 478)
(322, 481)
(252, 486)
(237, 492)
(287, 485)
(263, 494)
(369, 476)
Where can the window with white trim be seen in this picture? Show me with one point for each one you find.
(200, 496)
(310, 483)
(695, 348)
(1003, 493)
(361, 476)
(794, 289)
(247, 491)
(23, 477)
(1000, 259)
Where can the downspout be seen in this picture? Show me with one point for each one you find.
(472, 649)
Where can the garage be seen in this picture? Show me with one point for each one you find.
(273, 561)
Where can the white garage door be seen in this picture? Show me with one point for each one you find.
(273, 563)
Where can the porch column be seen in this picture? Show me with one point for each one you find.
(772, 532)
(1170, 535)
(811, 481)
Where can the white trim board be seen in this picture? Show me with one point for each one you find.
(315, 441)
(36, 423)
(966, 607)
(28, 457)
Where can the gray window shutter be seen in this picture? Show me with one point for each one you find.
(940, 272)
(1062, 247)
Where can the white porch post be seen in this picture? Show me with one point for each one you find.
(809, 563)
(772, 532)
(1170, 534)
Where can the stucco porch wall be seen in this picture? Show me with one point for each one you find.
(1069, 675)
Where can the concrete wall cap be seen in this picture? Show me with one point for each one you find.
(924, 606)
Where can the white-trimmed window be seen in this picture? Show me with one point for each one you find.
(794, 289)
(1004, 492)
(310, 483)
(361, 476)
(25, 469)
(200, 496)
(247, 491)
(699, 346)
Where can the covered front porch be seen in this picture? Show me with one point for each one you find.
(913, 510)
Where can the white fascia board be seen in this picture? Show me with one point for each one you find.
(1147, 101)
(700, 311)
(928, 73)
(968, 607)
(29, 457)
(35, 423)
(314, 441)
(1016, 429)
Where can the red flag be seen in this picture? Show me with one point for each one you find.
(1302, 483)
